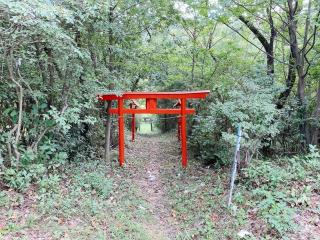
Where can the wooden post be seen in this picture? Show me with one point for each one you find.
(184, 133)
(121, 132)
(133, 127)
(133, 105)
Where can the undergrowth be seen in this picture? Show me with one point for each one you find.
(89, 200)
(269, 195)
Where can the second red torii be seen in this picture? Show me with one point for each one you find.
(133, 105)
(152, 108)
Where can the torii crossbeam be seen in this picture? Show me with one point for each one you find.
(152, 108)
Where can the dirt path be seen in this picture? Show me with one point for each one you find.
(150, 156)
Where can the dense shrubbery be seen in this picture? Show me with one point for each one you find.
(249, 104)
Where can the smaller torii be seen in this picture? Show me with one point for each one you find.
(176, 105)
(133, 105)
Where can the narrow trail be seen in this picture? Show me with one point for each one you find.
(148, 157)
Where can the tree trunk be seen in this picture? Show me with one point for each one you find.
(299, 56)
(107, 132)
(17, 128)
(291, 78)
(111, 68)
(50, 97)
(193, 64)
(41, 63)
(268, 46)
(135, 83)
(273, 34)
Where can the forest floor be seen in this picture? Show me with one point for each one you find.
(152, 197)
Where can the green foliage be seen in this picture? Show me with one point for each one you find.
(49, 184)
(250, 104)
(94, 183)
(21, 178)
(274, 209)
(4, 199)
(279, 188)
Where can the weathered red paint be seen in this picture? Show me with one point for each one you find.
(151, 108)
(121, 132)
(184, 132)
(151, 103)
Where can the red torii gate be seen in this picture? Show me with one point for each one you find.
(178, 104)
(133, 105)
(152, 108)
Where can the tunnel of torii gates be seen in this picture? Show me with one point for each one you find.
(152, 108)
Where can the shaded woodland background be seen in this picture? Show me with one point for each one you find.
(260, 60)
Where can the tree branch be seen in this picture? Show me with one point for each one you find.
(253, 44)
(20, 98)
(256, 32)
